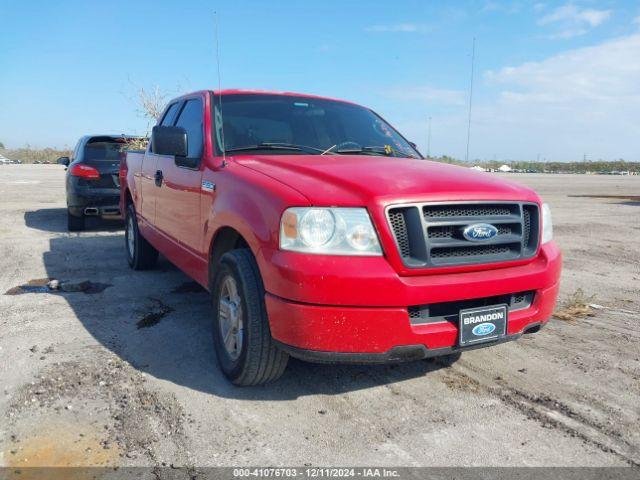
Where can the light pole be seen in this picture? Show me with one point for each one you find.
(429, 140)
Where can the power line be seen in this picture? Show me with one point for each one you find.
(473, 58)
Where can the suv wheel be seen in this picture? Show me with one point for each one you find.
(74, 223)
(244, 347)
(141, 255)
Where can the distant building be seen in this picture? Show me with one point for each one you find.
(505, 168)
(478, 168)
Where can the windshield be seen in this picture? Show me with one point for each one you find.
(279, 122)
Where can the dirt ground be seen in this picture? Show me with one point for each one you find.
(123, 371)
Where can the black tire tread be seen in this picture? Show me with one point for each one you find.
(265, 362)
(146, 255)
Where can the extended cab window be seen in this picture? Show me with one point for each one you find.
(191, 120)
(170, 116)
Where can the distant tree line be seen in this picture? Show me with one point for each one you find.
(29, 154)
(590, 166)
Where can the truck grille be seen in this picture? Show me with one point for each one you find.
(430, 235)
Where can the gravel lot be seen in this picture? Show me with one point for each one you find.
(124, 372)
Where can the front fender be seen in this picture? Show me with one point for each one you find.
(251, 203)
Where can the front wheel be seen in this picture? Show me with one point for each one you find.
(141, 255)
(244, 347)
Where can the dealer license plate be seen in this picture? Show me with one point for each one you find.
(483, 324)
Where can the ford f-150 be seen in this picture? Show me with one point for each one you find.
(322, 233)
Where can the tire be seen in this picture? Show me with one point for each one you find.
(250, 357)
(141, 255)
(74, 223)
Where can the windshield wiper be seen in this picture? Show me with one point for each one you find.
(358, 151)
(373, 150)
(275, 146)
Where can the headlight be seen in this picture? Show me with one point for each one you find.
(547, 224)
(329, 231)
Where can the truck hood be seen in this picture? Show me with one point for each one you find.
(358, 180)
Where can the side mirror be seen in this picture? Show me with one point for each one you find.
(169, 141)
(63, 161)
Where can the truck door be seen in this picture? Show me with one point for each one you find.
(148, 181)
(178, 202)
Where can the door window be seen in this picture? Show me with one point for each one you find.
(191, 120)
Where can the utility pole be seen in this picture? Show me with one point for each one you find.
(429, 140)
(473, 58)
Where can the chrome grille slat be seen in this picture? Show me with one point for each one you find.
(465, 220)
(430, 235)
(498, 240)
(468, 210)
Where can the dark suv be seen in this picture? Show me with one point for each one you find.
(93, 186)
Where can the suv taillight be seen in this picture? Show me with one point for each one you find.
(84, 171)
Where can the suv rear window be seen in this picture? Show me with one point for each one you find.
(104, 148)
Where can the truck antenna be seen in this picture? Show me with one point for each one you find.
(224, 146)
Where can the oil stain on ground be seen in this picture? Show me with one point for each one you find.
(37, 285)
(157, 312)
(49, 285)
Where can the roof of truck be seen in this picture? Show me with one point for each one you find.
(237, 91)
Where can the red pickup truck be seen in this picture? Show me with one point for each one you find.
(323, 234)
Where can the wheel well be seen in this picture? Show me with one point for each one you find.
(225, 240)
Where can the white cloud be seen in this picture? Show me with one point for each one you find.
(399, 27)
(429, 95)
(572, 21)
(583, 100)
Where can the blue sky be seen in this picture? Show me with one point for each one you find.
(554, 80)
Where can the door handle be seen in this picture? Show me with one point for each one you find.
(158, 177)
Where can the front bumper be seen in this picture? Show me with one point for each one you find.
(402, 353)
(375, 324)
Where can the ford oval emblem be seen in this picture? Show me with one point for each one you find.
(483, 329)
(479, 232)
